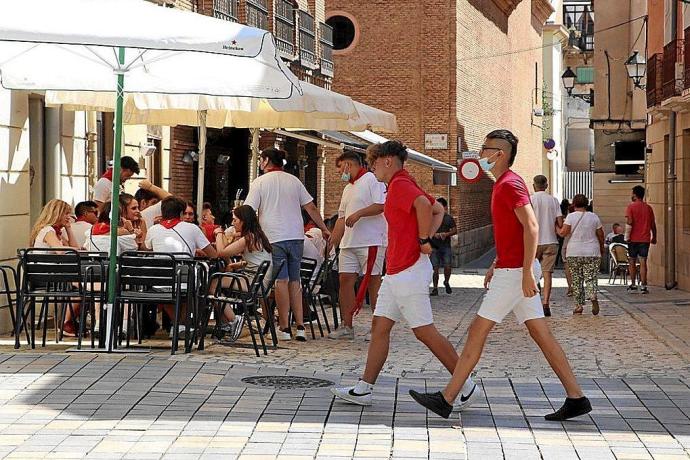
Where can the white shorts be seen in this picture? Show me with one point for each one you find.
(354, 260)
(505, 295)
(405, 295)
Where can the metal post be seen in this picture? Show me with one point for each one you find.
(201, 171)
(670, 224)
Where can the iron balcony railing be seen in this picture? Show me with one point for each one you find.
(226, 10)
(672, 69)
(307, 40)
(285, 28)
(654, 80)
(326, 39)
(257, 14)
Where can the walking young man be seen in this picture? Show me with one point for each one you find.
(412, 216)
(513, 287)
(640, 216)
(548, 213)
(442, 255)
(360, 232)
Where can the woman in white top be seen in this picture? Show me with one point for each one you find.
(53, 228)
(252, 244)
(583, 253)
(129, 208)
(98, 238)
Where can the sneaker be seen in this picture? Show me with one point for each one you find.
(643, 289)
(180, 332)
(343, 332)
(448, 289)
(547, 310)
(68, 329)
(434, 291)
(300, 336)
(367, 338)
(435, 402)
(595, 307)
(284, 335)
(348, 394)
(466, 400)
(571, 408)
(632, 287)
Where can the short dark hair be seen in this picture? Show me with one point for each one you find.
(172, 207)
(275, 156)
(580, 201)
(638, 191)
(541, 181)
(81, 208)
(387, 149)
(206, 205)
(349, 155)
(509, 137)
(442, 201)
(144, 195)
(129, 163)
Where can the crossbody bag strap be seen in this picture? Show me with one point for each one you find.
(183, 240)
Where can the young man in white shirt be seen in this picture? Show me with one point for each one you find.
(149, 198)
(86, 213)
(103, 189)
(278, 198)
(360, 232)
(548, 213)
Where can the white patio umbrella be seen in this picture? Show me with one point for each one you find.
(92, 45)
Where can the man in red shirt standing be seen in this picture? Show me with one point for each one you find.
(640, 217)
(412, 216)
(513, 287)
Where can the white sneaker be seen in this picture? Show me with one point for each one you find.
(300, 335)
(348, 394)
(343, 332)
(468, 397)
(283, 336)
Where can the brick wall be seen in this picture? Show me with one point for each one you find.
(183, 138)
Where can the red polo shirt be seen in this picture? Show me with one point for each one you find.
(510, 192)
(642, 217)
(403, 233)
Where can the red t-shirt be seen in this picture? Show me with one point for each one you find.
(510, 192)
(642, 216)
(403, 234)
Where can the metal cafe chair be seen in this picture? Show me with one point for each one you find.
(307, 269)
(94, 265)
(10, 289)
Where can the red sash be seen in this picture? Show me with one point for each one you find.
(362, 291)
(100, 228)
(170, 223)
(108, 174)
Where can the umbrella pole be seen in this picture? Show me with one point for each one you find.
(202, 163)
(114, 205)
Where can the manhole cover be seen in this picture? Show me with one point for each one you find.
(287, 382)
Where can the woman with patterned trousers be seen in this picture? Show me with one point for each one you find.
(583, 253)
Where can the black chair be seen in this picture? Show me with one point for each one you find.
(47, 275)
(306, 272)
(145, 278)
(94, 266)
(10, 289)
(317, 296)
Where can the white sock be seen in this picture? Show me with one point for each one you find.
(467, 386)
(363, 387)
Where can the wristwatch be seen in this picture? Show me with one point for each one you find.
(423, 241)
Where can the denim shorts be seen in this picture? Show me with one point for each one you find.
(442, 257)
(289, 254)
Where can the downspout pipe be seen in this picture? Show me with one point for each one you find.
(670, 225)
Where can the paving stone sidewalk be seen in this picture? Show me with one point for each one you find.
(632, 360)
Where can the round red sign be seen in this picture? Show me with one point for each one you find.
(470, 171)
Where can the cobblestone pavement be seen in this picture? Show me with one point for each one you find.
(633, 361)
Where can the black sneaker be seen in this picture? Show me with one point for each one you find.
(448, 289)
(435, 402)
(571, 408)
(547, 310)
(632, 287)
(644, 290)
(434, 291)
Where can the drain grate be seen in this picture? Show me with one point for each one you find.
(287, 382)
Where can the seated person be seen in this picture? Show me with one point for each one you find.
(86, 213)
(98, 238)
(253, 245)
(53, 228)
(129, 210)
(148, 196)
(616, 235)
(189, 214)
(208, 222)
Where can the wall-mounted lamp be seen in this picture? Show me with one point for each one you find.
(636, 66)
(568, 79)
(190, 157)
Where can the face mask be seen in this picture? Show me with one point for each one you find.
(485, 165)
(345, 177)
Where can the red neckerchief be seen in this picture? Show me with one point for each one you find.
(309, 227)
(100, 228)
(170, 223)
(81, 219)
(362, 171)
(58, 230)
(208, 230)
(108, 174)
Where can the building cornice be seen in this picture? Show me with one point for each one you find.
(542, 10)
(507, 6)
(557, 30)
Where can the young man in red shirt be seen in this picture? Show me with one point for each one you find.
(640, 216)
(513, 287)
(413, 216)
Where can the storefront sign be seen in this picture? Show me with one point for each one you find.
(436, 141)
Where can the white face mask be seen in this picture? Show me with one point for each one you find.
(485, 164)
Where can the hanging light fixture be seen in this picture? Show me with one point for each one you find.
(568, 79)
(636, 66)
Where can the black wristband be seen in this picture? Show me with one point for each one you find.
(423, 241)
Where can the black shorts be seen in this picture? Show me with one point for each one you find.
(636, 250)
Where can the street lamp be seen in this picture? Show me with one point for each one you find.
(568, 79)
(636, 66)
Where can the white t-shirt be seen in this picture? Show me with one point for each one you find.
(314, 248)
(80, 230)
(278, 198)
(583, 238)
(547, 209)
(183, 237)
(40, 238)
(103, 190)
(101, 243)
(150, 214)
(368, 231)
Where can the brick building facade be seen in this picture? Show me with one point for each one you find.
(457, 67)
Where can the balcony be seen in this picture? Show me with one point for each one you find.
(672, 69)
(257, 14)
(326, 39)
(578, 18)
(307, 41)
(654, 80)
(226, 10)
(285, 28)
